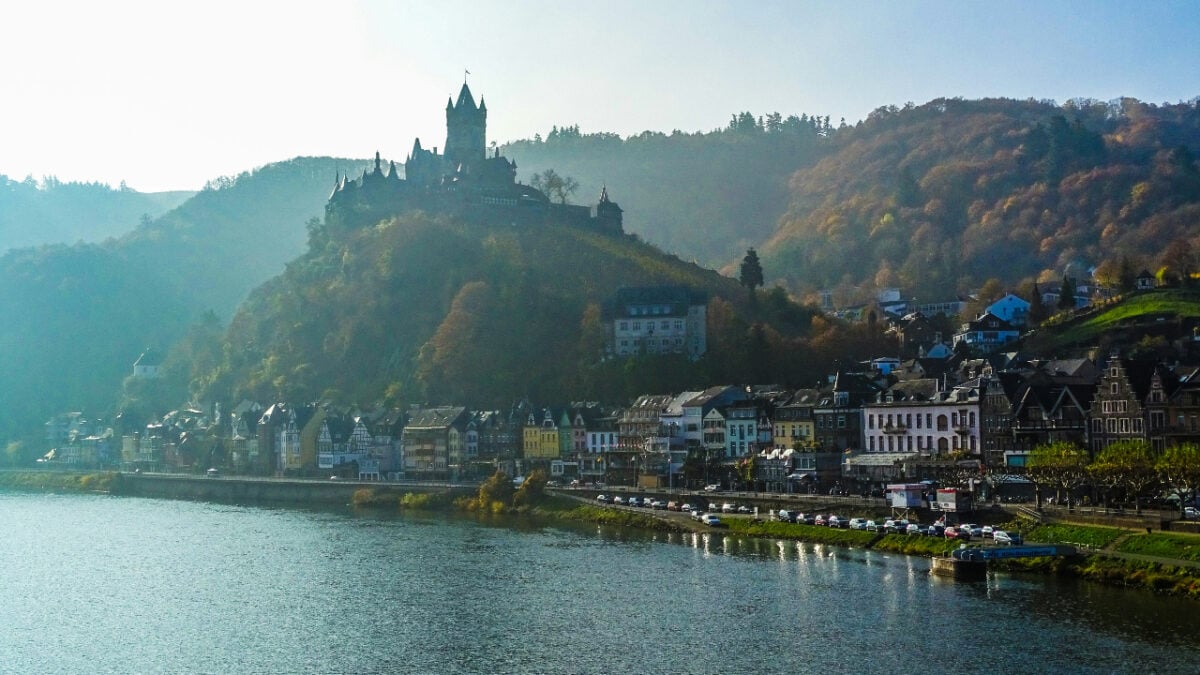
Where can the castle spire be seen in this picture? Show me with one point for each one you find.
(378, 170)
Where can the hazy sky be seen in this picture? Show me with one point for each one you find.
(167, 95)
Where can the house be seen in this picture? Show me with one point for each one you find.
(1131, 403)
(147, 366)
(657, 320)
(1145, 281)
(988, 333)
(433, 442)
(1010, 308)
(918, 416)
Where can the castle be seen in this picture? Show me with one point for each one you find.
(462, 182)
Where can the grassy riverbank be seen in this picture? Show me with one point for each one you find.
(58, 481)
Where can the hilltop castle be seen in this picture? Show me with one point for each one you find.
(463, 181)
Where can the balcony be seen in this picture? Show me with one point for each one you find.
(895, 429)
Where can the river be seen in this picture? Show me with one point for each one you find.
(92, 583)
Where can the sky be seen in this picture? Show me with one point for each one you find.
(169, 95)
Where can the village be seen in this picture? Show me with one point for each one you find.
(967, 412)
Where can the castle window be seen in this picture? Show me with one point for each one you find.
(624, 325)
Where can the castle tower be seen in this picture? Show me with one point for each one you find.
(466, 127)
(608, 214)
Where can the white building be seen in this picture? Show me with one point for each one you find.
(917, 417)
(658, 320)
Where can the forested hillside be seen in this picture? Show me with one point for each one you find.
(50, 211)
(940, 197)
(703, 196)
(423, 309)
(77, 316)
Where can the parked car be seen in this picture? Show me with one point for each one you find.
(987, 531)
(1004, 537)
(914, 529)
(213, 472)
(728, 508)
(785, 516)
(742, 508)
(819, 520)
(858, 523)
(672, 506)
(634, 501)
(1191, 513)
(687, 508)
(895, 526)
(836, 521)
(618, 500)
(604, 499)
(871, 526)
(957, 533)
(972, 529)
(806, 519)
(712, 488)
(935, 530)
(712, 521)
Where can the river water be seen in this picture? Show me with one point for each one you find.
(105, 584)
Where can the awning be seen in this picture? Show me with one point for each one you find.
(802, 476)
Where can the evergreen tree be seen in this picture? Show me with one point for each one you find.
(752, 272)
(1037, 309)
(1066, 294)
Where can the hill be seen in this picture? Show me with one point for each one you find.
(77, 316)
(941, 197)
(33, 213)
(704, 196)
(420, 309)
(1158, 323)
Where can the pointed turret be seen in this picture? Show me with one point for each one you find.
(608, 213)
(465, 98)
(378, 170)
(392, 170)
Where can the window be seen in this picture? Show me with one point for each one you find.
(1137, 425)
(679, 325)
(624, 325)
(1124, 426)
(1114, 388)
(941, 423)
(637, 325)
(871, 421)
(841, 422)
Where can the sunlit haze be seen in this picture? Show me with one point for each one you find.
(167, 95)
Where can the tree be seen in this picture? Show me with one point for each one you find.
(1066, 294)
(533, 490)
(1127, 465)
(1179, 469)
(1037, 308)
(556, 187)
(497, 489)
(1061, 465)
(751, 274)
(1180, 260)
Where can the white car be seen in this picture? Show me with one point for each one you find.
(1002, 537)
(712, 488)
(712, 521)
(728, 508)
(858, 523)
(1191, 513)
